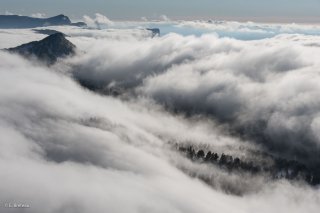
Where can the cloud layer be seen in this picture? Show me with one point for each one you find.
(89, 152)
(264, 90)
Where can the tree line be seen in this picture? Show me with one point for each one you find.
(281, 168)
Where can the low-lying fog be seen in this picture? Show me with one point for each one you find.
(101, 131)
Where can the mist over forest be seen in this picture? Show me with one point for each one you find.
(160, 116)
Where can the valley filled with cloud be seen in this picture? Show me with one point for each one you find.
(120, 126)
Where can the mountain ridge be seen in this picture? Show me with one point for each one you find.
(20, 22)
(47, 50)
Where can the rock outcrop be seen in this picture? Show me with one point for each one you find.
(47, 50)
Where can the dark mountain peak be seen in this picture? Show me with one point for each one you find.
(60, 15)
(15, 21)
(56, 37)
(48, 49)
(59, 20)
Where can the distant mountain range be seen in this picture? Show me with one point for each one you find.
(47, 50)
(16, 22)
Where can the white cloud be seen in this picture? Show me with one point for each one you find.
(236, 82)
(15, 37)
(144, 18)
(8, 13)
(97, 145)
(89, 153)
(164, 18)
(249, 30)
(39, 15)
(98, 21)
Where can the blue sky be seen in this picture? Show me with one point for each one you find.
(259, 10)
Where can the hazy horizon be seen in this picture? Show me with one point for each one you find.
(281, 11)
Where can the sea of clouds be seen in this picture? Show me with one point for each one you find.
(67, 148)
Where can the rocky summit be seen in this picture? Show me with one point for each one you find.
(47, 50)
